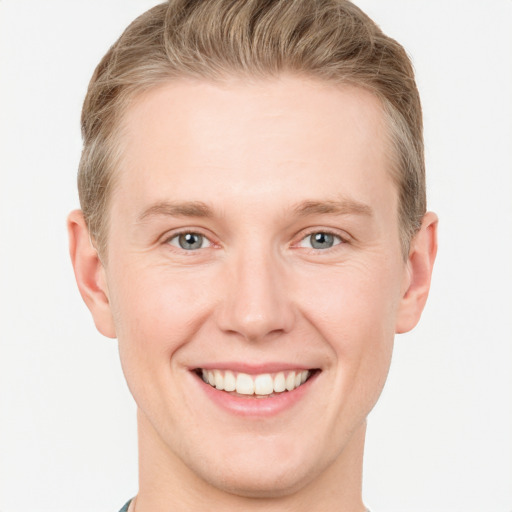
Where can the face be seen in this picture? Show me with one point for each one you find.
(254, 244)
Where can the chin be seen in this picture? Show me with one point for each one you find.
(269, 472)
(256, 482)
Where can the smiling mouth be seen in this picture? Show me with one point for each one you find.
(260, 385)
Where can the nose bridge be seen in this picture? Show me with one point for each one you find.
(255, 301)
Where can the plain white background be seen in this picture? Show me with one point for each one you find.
(440, 438)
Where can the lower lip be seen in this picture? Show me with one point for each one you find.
(253, 406)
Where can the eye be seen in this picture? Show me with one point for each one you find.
(189, 241)
(320, 240)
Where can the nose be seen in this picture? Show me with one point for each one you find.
(256, 302)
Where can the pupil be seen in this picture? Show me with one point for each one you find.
(190, 241)
(322, 240)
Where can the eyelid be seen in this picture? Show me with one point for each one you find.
(343, 237)
(170, 235)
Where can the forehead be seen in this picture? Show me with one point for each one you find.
(293, 136)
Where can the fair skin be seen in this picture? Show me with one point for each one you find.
(254, 230)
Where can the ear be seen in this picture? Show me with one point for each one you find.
(418, 274)
(90, 274)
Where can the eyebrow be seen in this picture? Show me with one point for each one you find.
(340, 207)
(302, 209)
(177, 209)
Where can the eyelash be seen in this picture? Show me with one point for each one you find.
(341, 240)
(187, 232)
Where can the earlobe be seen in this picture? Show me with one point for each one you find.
(89, 274)
(420, 263)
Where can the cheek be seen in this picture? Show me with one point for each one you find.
(156, 313)
(354, 310)
(353, 307)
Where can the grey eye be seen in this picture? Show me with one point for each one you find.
(321, 240)
(189, 241)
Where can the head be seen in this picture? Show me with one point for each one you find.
(333, 42)
(252, 182)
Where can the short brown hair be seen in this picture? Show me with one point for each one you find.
(330, 40)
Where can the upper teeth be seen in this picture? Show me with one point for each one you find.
(261, 384)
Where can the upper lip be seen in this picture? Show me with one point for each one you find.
(252, 369)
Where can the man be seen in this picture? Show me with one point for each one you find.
(254, 232)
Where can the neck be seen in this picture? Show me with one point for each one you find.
(166, 484)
